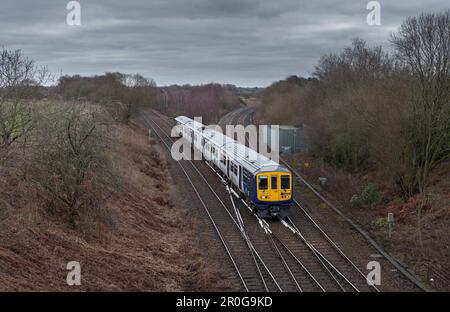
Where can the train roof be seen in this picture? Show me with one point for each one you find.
(189, 122)
(245, 156)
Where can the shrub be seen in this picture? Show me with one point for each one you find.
(371, 195)
(397, 200)
(355, 201)
(380, 222)
(69, 160)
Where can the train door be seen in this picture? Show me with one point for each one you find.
(223, 162)
(241, 184)
(275, 187)
(246, 181)
(234, 174)
(204, 147)
(213, 154)
(206, 150)
(227, 160)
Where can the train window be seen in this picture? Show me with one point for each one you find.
(285, 182)
(246, 176)
(263, 183)
(234, 168)
(274, 182)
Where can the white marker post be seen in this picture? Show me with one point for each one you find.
(390, 220)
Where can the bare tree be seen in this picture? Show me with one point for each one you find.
(69, 157)
(19, 78)
(348, 114)
(423, 45)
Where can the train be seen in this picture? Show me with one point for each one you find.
(265, 185)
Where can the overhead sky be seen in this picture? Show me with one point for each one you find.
(243, 42)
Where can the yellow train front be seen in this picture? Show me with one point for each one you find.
(271, 192)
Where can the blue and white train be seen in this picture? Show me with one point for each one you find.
(266, 185)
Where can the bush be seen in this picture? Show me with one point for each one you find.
(371, 195)
(15, 123)
(380, 222)
(69, 160)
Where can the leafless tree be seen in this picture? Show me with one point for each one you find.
(69, 157)
(121, 93)
(423, 45)
(19, 78)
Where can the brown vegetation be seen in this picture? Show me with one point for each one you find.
(370, 110)
(77, 185)
(146, 248)
(383, 119)
(209, 101)
(122, 94)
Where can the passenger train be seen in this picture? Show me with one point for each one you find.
(264, 184)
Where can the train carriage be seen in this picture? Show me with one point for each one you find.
(266, 185)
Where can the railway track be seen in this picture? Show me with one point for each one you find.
(309, 258)
(244, 117)
(282, 274)
(235, 117)
(296, 261)
(249, 266)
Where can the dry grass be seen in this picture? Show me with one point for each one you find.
(430, 260)
(148, 248)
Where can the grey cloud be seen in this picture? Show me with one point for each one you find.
(246, 42)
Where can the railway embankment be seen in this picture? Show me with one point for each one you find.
(142, 241)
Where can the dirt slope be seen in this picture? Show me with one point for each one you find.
(428, 260)
(148, 247)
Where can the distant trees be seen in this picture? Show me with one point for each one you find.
(372, 110)
(121, 93)
(210, 101)
(140, 91)
(288, 101)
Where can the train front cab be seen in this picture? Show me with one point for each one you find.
(274, 193)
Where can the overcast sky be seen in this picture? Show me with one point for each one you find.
(244, 42)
